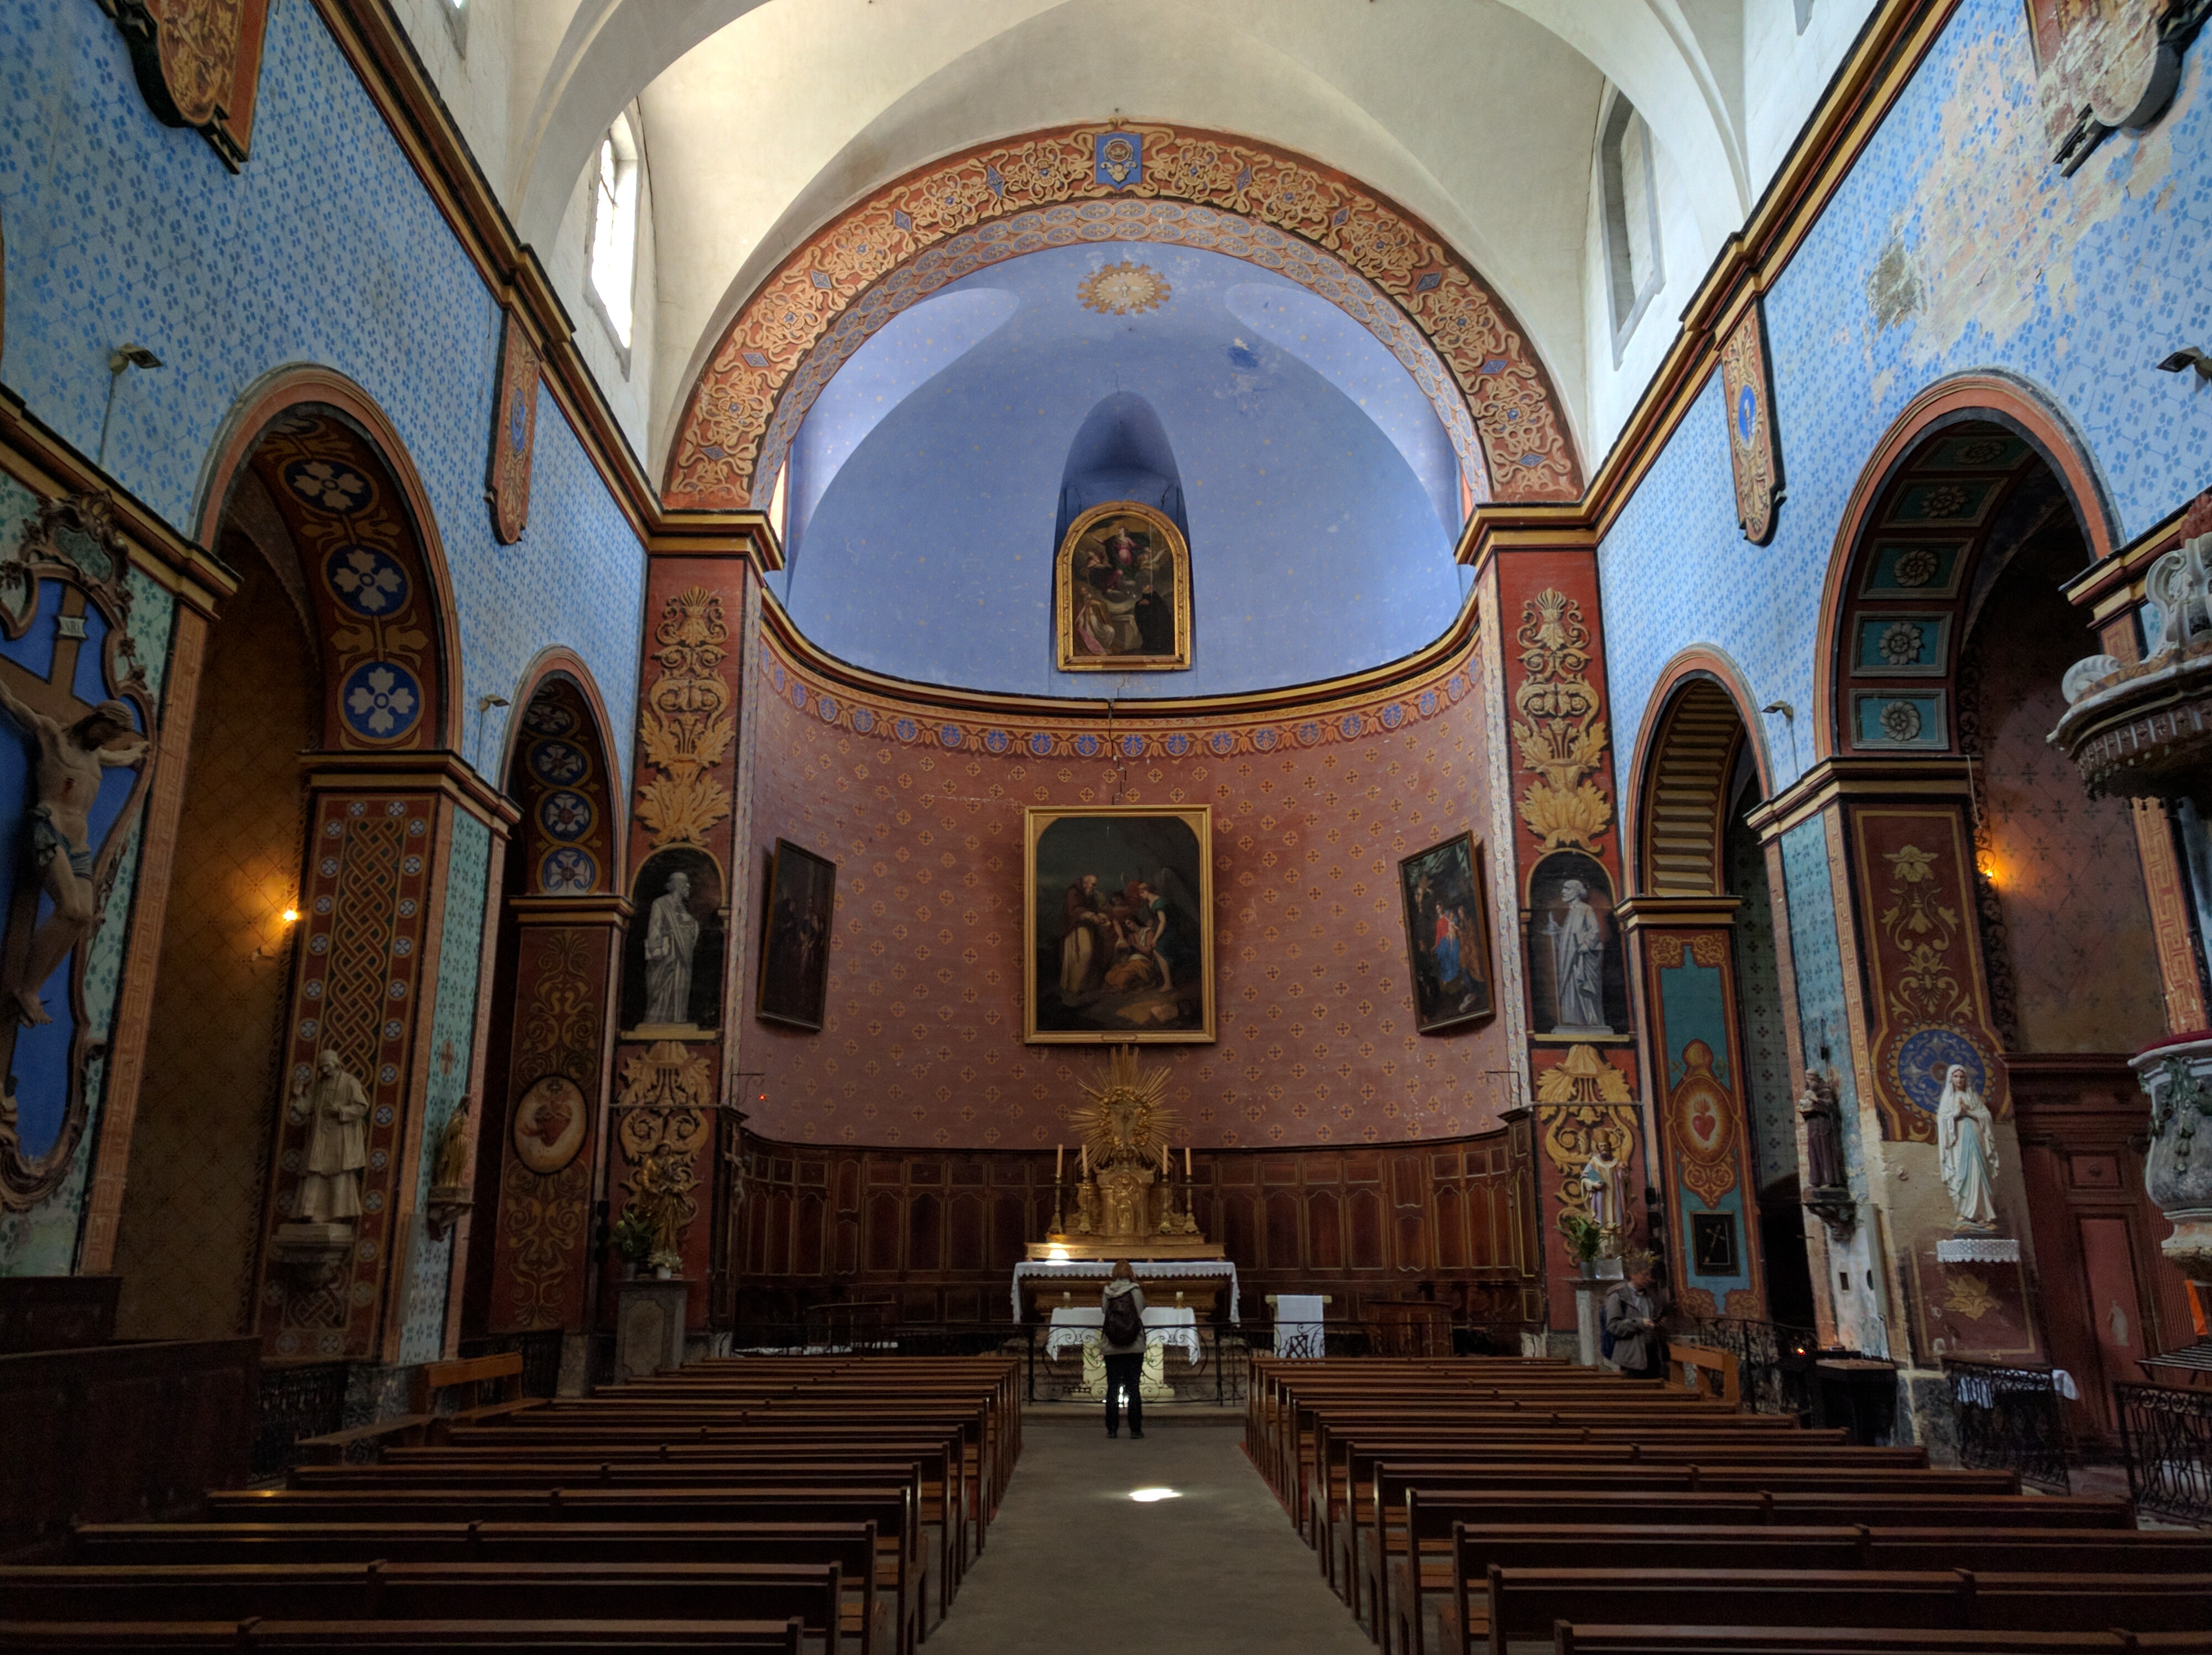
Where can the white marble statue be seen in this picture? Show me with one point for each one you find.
(1578, 962)
(671, 933)
(1966, 1143)
(335, 1109)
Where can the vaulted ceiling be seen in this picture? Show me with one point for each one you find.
(766, 119)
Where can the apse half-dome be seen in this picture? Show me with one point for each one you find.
(1291, 449)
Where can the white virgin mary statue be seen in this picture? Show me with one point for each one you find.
(1965, 1144)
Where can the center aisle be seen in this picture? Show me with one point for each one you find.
(1078, 1568)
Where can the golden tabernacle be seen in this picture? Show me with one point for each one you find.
(1128, 1203)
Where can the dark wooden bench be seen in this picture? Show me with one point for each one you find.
(1525, 1605)
(424, 1422)
(625, 1637)
(1578, 1639)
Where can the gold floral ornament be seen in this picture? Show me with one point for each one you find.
(1124, 1117)
(1969, 1295)
(1127, 289)
(1559, 734)
(666, 1090)
(689, 723)
(1583, 1078)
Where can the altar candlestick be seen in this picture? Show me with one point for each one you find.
(1163, 1161)
(1185, 1162)
(1060, 1164)
(1084, 1151)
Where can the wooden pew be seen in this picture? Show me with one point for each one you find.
(850, 1546)
(1576, 1638)
(433, 1383)
(891, 1509)
(1475, 1548)
(434, 1592)
(626, 1637)
(1433, 1518)
(1526, 1604)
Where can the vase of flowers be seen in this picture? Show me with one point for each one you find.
(665, 1264)
(633, 1241)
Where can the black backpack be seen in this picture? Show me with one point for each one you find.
(1125, 1323)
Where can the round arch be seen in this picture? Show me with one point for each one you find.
(1696, 724)
(298, 389)
(1900, 573)
(556, 752)
(1386, 268)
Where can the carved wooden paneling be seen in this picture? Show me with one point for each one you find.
(937, 1234)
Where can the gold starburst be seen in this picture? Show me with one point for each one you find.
(1124, 1116)
(1123, 289)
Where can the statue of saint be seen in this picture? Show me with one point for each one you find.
(451, 1164)
(1824, 1133)
(671, 932)
(1965, 1144)
(335, 1109)
(1578, 962)
(70, 759)
(1602, 1183)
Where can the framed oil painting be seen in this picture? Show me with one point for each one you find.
(802, 901)
(1448, 935)
(1117, 923)
(1121, 591)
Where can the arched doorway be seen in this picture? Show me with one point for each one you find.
(544, 1126)
(1704, 923)
(2001, 915)
(325, 910)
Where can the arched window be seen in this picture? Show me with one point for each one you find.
(611, 258)
(1631, 218)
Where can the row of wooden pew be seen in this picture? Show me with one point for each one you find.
(1499, 1504)
(761, 1502)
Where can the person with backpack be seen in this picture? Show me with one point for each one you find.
(1628, 1325)
(1121, 1342)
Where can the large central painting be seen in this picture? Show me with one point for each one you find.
(1121, 588)
(1118, 922)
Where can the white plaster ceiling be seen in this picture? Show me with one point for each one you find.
(765, 118)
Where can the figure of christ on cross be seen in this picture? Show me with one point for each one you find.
(58, 837)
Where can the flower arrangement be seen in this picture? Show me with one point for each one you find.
(665, 1263)
(632, 1237)
(1583, 1236)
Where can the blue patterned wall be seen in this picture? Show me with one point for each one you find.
(1817, 962)
(326, 249)
(2076, 286)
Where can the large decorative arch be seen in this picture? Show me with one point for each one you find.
(1901, 572)
(556, 762)
(364, 628)
(1695, 726)
(1382, 266)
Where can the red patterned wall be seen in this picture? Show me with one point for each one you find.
(922, 1044)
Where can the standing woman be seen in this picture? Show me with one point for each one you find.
(1121, 1342)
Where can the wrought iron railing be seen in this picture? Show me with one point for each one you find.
(295, 1402)
(541, 1357)
(2009, 1419)
(1774, 1361)
(2167, 1434)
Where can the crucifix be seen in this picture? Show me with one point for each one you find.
(73, 743)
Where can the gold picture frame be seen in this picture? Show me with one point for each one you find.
(1128, 958)
(1105, 597)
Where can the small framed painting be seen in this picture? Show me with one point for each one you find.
(1118, 923)
(1712, 1244)
(1448, 935)
(1121, 588)
(802, 901)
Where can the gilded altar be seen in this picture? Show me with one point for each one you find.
(1127, 1202)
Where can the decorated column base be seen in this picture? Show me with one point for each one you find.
(2178, 1172)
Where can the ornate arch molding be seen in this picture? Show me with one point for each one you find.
(299, 390)
(555, 764)
(1354, 247)
(1918, 522)
(1694, 727)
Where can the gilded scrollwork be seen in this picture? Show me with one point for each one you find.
(690, 721)
(1559, 734)
(665, 1104)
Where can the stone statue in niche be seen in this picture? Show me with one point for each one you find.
(1824, 1133)
(70, 759)
(671, 935)
(1605, 1183)
(335, 1109)
(1578, 963)
(1965, 1142)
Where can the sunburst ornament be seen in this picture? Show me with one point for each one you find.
(1124, 1116)
(1123, 289)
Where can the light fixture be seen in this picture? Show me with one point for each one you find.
(291, 915)
(2188, 356)
(1149, 1496)
(1056, 1255)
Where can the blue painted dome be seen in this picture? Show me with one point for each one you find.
(931, 480)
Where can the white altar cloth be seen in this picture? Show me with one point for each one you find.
(1088, 1270)
(1164, 1324)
